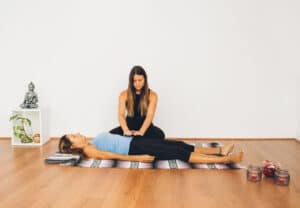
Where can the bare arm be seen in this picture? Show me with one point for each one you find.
(92, 152)
(121, 113)
(150, 113)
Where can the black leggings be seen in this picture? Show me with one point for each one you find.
(135, 123)
(153, 132)
(161, 149)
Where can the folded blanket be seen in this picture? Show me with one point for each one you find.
(61, 158)
(75, 160)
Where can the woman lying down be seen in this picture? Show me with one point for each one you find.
(112, 146)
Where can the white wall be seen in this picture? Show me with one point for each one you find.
(298, 104)
(221, 68)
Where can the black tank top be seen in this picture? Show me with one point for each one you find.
(137, 112)
(136, 122)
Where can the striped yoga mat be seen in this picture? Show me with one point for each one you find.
(158, 164)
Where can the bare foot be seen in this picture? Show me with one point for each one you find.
(225, 150)
(236, 157)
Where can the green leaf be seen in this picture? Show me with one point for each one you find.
(13, 117)
(18, 128)
(20, 135)
(26, 140)
(28, 121)
(24, 120)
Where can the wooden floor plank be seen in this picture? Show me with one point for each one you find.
(27, 182)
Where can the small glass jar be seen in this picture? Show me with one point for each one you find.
(282, 177)
(254, 173)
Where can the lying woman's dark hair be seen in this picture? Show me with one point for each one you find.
(65, 144)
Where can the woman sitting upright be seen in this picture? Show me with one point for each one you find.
(140, 103)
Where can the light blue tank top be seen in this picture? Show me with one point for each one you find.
(112, 143)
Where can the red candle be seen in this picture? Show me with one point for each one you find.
(281, 180)
(254, 176)
(254, 173)
(282, 177)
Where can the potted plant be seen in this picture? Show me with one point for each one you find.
(21, 124)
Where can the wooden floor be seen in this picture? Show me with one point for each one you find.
(27, 182)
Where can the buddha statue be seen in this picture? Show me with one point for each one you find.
(31, 98)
